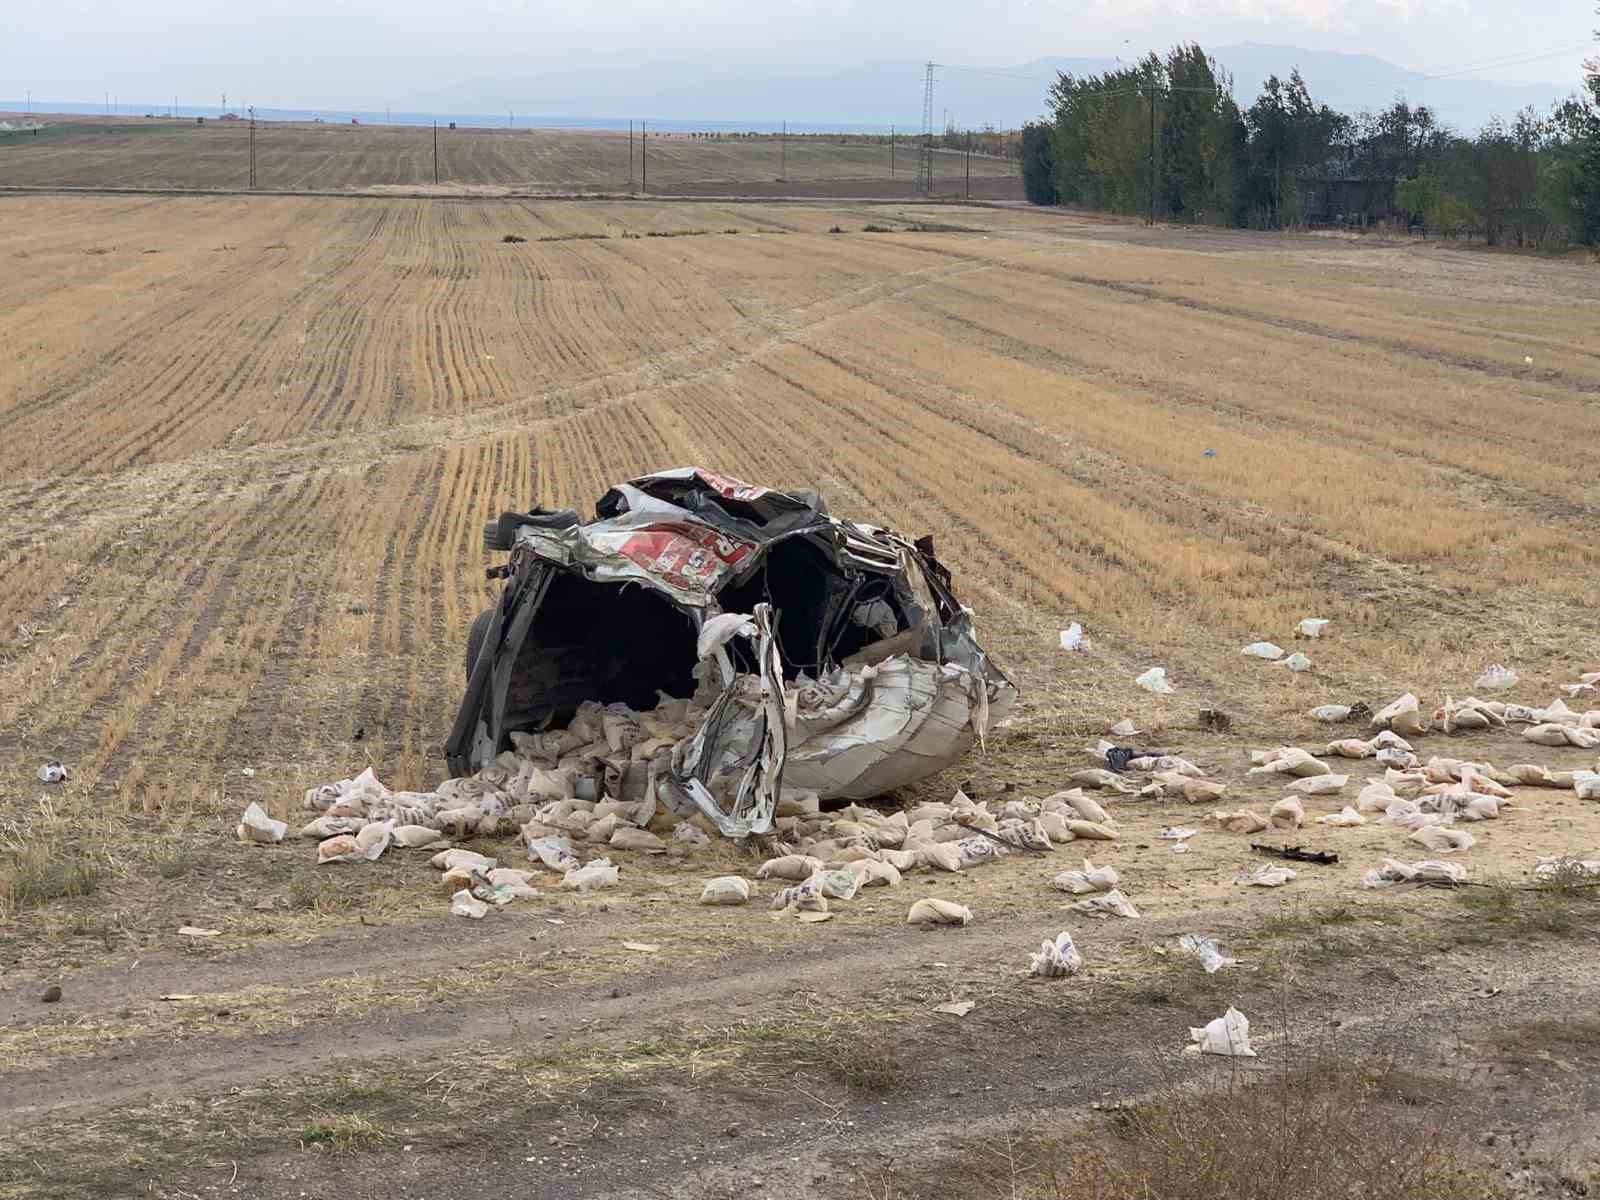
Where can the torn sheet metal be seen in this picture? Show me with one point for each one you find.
(827, 654)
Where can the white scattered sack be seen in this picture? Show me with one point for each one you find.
(1556, 868)
(1331, 714)
(1586, 784)
(1495, 678)
(53, 772)
(338, 849)
(1404, 716)
(690, 834)
(1107, 904)
(1441, 840)
(255, 826)
(1287, 760)
(1319, 785)
(1124, 728)
(1241, 821)
(1428, 871)
(1090, 879)
(1266, 876)
(1056, 959)
(554, 851)
(1312, 627)
(1207, 951)
(593, 875)
(465, 904)
(1296, 662)
(1072, 639)
(1228, 1035)
(1266, 650)
(793, 867)
(1155, 680)
(1342, 819)
(726, 889)
(1287, 813)
(929, 911)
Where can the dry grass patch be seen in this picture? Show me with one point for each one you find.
(483, 1094)
(1321, 1129)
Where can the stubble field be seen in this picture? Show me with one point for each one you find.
(246, 448)
(91, 152)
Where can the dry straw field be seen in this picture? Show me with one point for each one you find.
(112, 152)
(247, 444)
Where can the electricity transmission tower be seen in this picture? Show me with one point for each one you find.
(925, 168)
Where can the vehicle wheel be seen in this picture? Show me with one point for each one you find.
(475, 636)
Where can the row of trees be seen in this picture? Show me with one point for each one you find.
(1165, 137)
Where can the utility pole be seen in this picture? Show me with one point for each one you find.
(891, 152)
(386, 118)
(511, 118)
(1152, 153)
(108, 104)
(252, 147)
(224, 103)
(969, 164)
(783, 153)
(644, 156)
(630, 156)
(436, 150)
(925, 170)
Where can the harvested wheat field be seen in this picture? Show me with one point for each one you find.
(109, 152)
(247, 446)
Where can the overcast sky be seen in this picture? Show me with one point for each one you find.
(417, 53)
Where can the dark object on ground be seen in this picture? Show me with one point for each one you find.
(513, 238)
(1324, 858)
(52, 994)
(1215, 720)
(1360, 711)
(1118, 757)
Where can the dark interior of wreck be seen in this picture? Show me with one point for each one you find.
(626, 643)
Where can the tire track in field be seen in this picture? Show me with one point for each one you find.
(195, 478)
(1396, 346)
(1540, 504)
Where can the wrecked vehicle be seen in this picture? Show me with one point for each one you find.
(814, 655)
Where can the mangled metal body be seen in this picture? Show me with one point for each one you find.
(828, 656)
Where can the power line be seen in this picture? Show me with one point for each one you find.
(1511, 61)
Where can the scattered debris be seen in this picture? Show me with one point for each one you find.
(1090, 879)
(1312, 627)
(1429, 871)
(956, 1008)
(1265, 876)
(1155, 680)
(929, 911)
(1345, 818)
(1175, 833)
(1331, 714)
(1241, 821)
(1496, 678)
(1287, 813)
(1267, 650)
(1228, 1035)
(1547, 869)
(512, 239)
(726, 889)
(1323, 858)
(1124, 728)
(1056, 959)
(1207, 951)
(1404, 716)
(255, 826)
(1214, 720)
(1073, 641)
(176, 996)
(1106, 904)
(1296, 662)
(1441, 840)
(194, 931)
(51, 995)
(641, 947)
(465, 904)
(54, 772)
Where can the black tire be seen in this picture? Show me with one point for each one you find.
(475, 637)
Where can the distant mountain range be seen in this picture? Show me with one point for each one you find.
(876, 96)
(883, 93)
